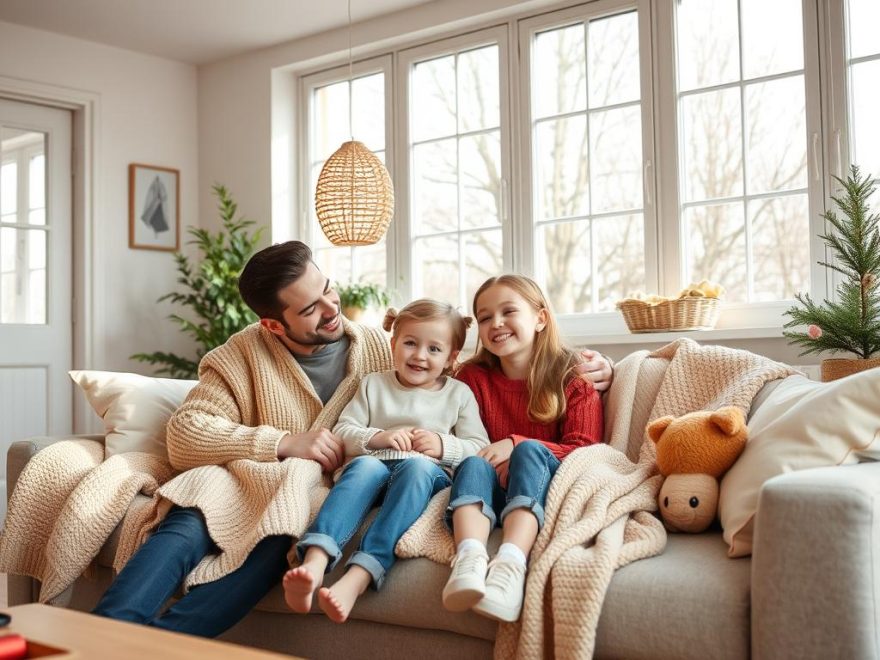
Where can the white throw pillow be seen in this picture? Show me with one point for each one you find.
(802, 424)
(135, 408)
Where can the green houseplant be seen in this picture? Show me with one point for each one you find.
(852, 322)
(210, 289)
(357, 297)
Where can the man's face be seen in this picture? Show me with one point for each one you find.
(311, 313)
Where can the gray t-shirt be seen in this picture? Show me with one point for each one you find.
(326, 368)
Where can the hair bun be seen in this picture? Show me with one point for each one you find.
(468, 321)
(390, 317)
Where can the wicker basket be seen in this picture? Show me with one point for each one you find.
(834, 368)
(691, 313)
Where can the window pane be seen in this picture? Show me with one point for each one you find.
(707, 35)
(330, 120)
(866, 126)
(478, 95)
(864, 17)
(773, 40)
(37, 182)
(564, 260)
(436, 264)
(23, 268)
(480, 163)
(9, 190)
(616, 157)
(620, 258)
(712, 143)
(482, 260)
(561, 169)
(613, 53)
(368, 96)
(776, 136)
(433, 89)
(335, 263)
(716, 247)
(780, 247)
(370, 263)
(559, 71)
(435, 182)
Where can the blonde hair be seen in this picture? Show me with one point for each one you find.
(426, 309)
(551, 363)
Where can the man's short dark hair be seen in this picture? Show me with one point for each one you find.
(269, 271)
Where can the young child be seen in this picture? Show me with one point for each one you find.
(537, 410)
(406, 428)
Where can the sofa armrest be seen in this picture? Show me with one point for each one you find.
(816, 565)
(21, 451)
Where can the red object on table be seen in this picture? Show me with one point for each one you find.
(13, 647)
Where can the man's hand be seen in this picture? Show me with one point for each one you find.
(596, 369)
(497, 452)
(321, 446)
(399, 439)
(427, 443)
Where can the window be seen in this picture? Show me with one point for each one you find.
(611, 147)
(330, 101)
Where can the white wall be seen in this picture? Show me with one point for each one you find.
(147, 114)
(239, 118)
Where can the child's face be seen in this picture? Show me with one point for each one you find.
(507, 323)
(421, 351)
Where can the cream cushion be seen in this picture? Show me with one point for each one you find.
(801, 424)
(134, 408)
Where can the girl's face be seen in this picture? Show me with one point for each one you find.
(421, 351)
(507, 322)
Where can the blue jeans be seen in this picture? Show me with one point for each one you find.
(158, 568)
(407, 485)
(530, 470)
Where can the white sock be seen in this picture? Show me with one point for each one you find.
(512, 552)
(470, 545)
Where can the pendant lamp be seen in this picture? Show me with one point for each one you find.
(354, 197)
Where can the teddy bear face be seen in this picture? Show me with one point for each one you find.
(688, 502)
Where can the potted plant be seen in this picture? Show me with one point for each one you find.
(852, 322)
(210, 289)
(357, 297)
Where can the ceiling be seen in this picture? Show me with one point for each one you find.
(194, 31)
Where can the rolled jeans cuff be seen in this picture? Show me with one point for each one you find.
(326, 543)
(463, 500)
(371, 565)
(524, 502)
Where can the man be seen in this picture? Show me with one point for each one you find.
(271, 392)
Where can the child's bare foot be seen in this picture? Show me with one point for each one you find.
(299, 586)
(337, 601)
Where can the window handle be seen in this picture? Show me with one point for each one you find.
(646, 183)
(816, 156)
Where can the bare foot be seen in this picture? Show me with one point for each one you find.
(335, 608)
(299, 585)
(337, 601)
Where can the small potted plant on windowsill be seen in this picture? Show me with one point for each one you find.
(851, 323)
(357, 297)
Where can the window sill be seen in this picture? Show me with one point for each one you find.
(718, 334)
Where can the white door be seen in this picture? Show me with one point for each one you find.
(35, 274)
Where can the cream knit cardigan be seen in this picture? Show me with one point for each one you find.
(251, 392)
(598, 511)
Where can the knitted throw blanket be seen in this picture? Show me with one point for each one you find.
(598, 510)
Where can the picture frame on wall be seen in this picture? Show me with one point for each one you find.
(153, 207)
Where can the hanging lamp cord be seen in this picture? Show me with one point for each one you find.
(350, 77)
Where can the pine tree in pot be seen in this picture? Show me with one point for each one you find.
(852, 322)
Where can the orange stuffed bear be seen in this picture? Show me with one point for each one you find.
(693, 451)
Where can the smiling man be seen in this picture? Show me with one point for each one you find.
(270, 393)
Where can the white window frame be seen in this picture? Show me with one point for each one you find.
(826, 125)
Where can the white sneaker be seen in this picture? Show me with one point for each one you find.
(467, 583)
(505, 586)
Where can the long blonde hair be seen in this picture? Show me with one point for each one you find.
(551, 364)
(427, 309)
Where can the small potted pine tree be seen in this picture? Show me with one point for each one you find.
(851, 323)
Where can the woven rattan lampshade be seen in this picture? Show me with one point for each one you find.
(354, 198)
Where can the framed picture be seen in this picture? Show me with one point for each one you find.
(153, 207)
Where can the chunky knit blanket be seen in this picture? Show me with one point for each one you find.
(598, 511)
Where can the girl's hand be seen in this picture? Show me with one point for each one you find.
(596, 369)
(399, 439)
(497, 452)
(428, 443)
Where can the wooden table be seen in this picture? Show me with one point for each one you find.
(55, 632)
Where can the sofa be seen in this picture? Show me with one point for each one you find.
(811, 588)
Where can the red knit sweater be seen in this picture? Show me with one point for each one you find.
(504, 409)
